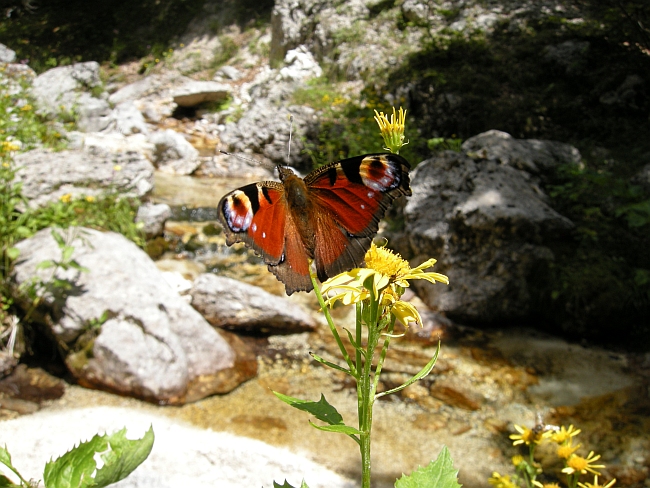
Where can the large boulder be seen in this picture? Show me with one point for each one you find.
(238, 306)
(152, 344)
(48, 175)
(486, 219)
(71, 90)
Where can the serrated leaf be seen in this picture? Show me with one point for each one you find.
(66, 253)
(285, 485)
(438, 474)
(125, 455)
(321, 409)
(75, 468)
(120, 455)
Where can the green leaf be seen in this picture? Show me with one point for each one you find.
(287, 485)
(121, 456)
(125, 455)
(328, 363)
(5, 458)
(66, 253)
(6, 482)
(48, 263)
(343, 429)
(13, 253)
(423, 373)
(58, 238)
(438, 474)
(321, 409)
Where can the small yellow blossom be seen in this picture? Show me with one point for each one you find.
(550, 485)
(5, 165)
(567, 450)
(26, 108)
(499, 481)
(528, 436)
(117, 167)
(578, 464)
(90, 198)
(517, 460)
(392, 130)
(66, 198)
(596, 485)
(563, 435)
(10, 146)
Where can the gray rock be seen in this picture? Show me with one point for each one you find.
(153, 345)
(229, 73)
(7, 55)
(531, 155)
(47, 176)
(299, 65)
(626, 95)
(153, 217)
(193, 93)
(234, 305)
(488, 224)
(67, 89)
(569, 54)
(264, 129)
(173, 153)
(127, 119)
(642, 178)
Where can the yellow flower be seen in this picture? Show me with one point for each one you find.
(5, 165)
(499, 481)
(578, 464)
(567, 450)
(66, 198)
(10, 146)
(26, 108)
(392, 130)
(596, 485)
(386, 275)
(517, 460)
(550, 485)
(528, 436)
(385, 268)
(117, 167)
(563, 435)
(90, 199)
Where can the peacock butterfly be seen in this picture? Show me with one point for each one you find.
(330, 216)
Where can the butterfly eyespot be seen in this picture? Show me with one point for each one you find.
(263, 235)
(254, 228)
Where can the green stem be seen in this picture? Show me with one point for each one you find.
(330, 322)
(365, 389)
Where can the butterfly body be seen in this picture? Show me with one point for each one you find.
(329, 217)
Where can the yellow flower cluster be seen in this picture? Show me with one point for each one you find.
(574, 464)
(385, 276)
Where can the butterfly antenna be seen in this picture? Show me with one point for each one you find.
(239, 156)
(290, 134)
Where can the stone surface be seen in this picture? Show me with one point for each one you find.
(194, 93)
(152, 345)
(153, 217)
(182, 454)
(173, 153)
(237, 306)
(6, 55)
(489, 230)
(47, 176)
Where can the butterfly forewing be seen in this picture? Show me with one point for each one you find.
(255, 214)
